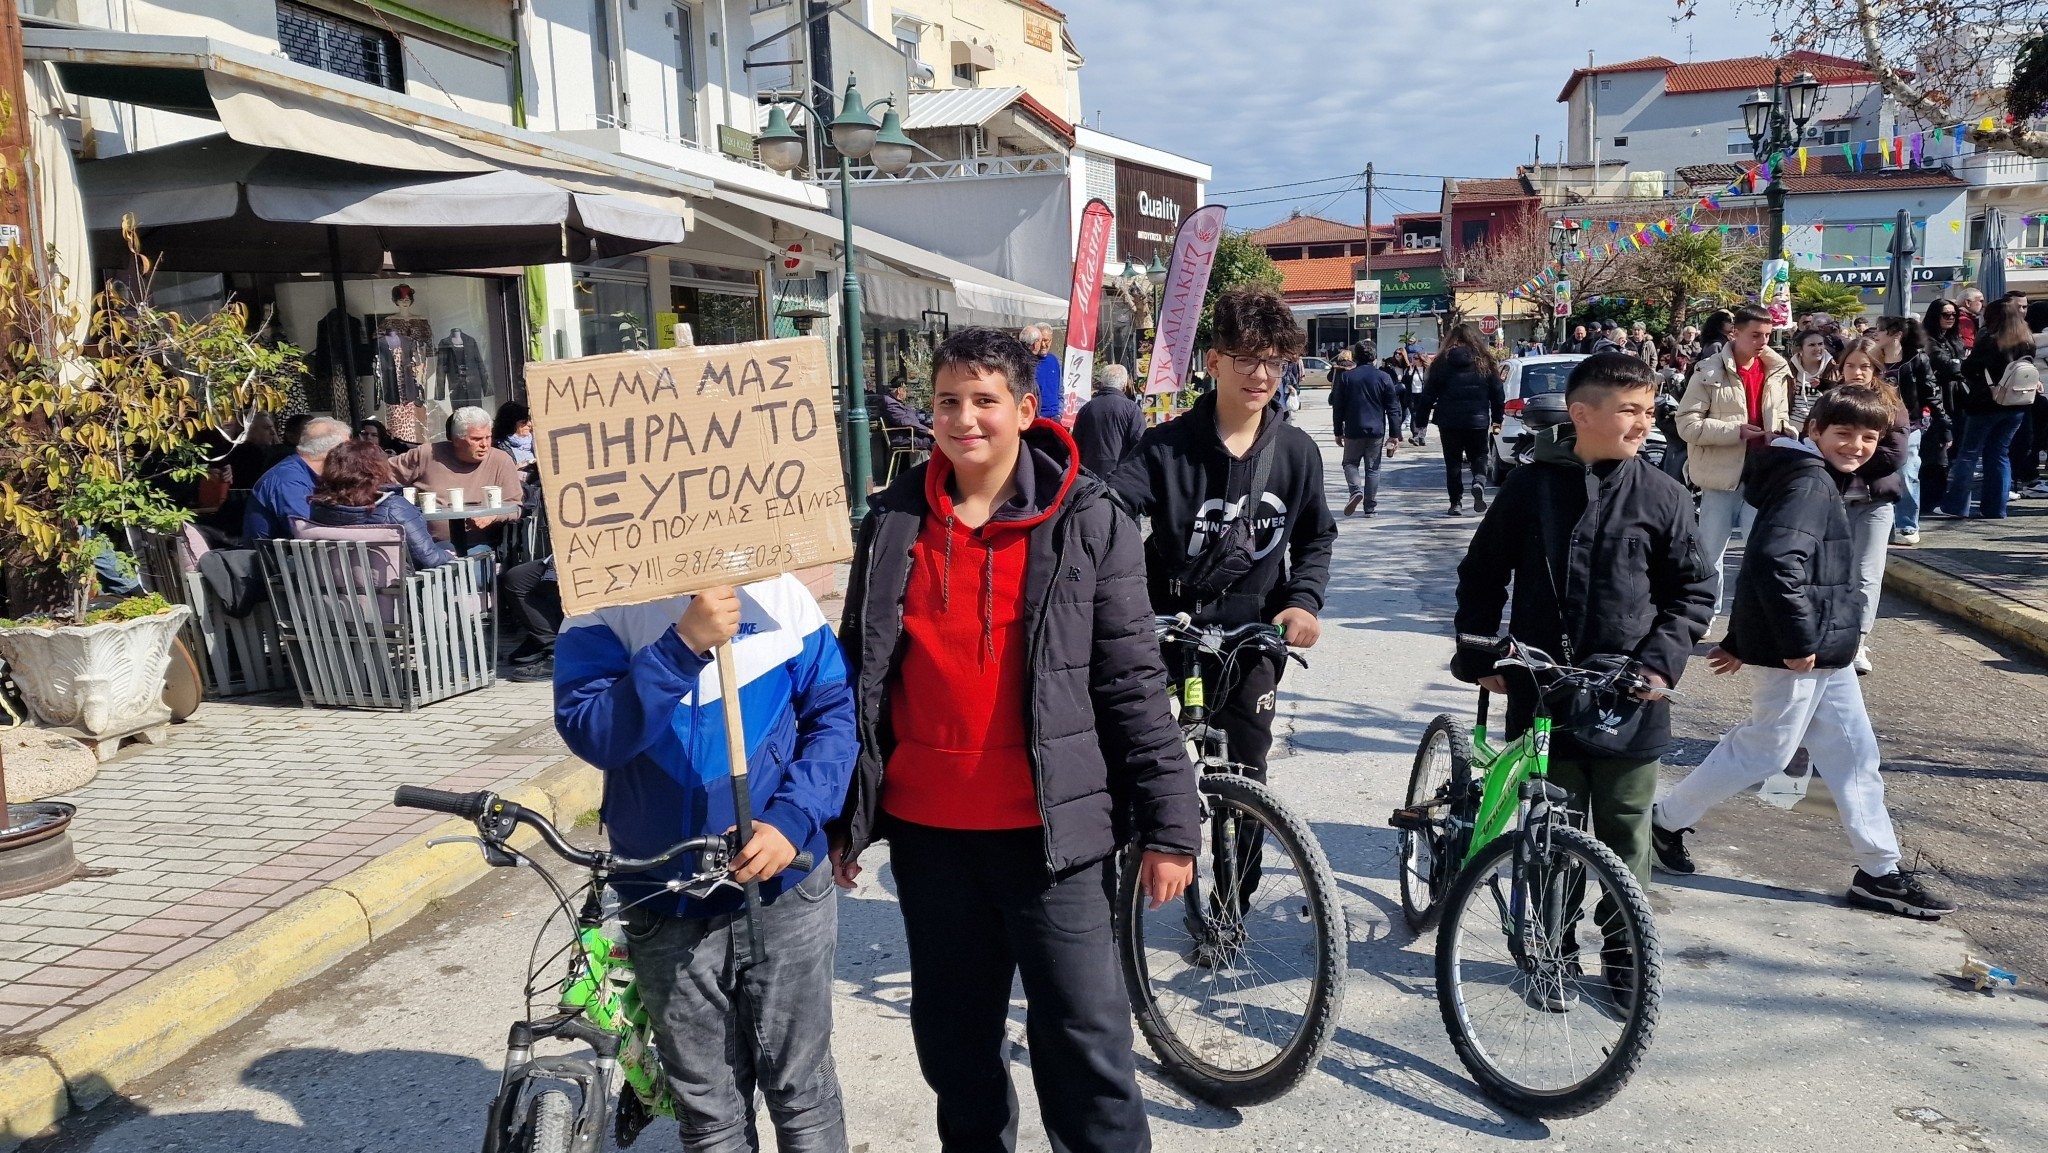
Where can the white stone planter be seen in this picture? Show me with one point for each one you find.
(102, 681)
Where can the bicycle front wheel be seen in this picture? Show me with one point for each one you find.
(1237, 985)
(1548, 971)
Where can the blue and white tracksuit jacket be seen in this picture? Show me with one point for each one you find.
(633, 700)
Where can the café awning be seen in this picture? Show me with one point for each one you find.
(218, 205)
(901, 281)
(270, 102)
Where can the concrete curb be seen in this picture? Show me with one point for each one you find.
(146, 1027)
(1998, 615)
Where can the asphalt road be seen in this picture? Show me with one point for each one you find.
(1789, 1020)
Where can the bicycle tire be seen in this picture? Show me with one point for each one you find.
(549, 1125)
(1420, 892)
(1234, 797)
(1640, 1023)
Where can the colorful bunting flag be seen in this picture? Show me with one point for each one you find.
(1802, 160)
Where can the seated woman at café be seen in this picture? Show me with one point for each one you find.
(376, 433)
(356, 488)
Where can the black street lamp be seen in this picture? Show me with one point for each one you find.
(1775, 122)
(855, 135)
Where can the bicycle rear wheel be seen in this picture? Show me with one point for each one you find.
(1548, 972)
(1429, 855)
(1237, 985)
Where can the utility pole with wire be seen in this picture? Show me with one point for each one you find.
(1374, 325)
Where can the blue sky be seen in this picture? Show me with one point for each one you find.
(1275, 91)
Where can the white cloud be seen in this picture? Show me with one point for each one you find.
(1271, 92)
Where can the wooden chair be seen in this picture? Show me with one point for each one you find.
(237, 655)
(364, 630)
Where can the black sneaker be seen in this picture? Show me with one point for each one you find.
(540, 670)
(1672, 855)
(1478, 497)
(1898, 892)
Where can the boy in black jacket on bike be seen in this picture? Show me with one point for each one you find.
(1194, 474)
(1798, 621)
(1600, 548)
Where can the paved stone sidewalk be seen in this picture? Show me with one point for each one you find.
(250, 804)
(2007, 557)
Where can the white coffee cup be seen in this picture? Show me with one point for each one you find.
(429, 502)
(493, 496)
(455, 503)
(412, 495)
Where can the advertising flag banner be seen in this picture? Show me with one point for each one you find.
(1180, 303)
(668, 472)
(1084, 305)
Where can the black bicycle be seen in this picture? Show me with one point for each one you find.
(564, 1103)
(1238, 985)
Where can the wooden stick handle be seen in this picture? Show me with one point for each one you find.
(742, 800)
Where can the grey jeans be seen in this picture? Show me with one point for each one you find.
(1362, 458)
(722, 1033)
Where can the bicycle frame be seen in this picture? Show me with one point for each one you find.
(1504, 770)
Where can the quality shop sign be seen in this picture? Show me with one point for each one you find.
(1875, 277)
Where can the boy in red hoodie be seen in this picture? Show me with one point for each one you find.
(1014, 733)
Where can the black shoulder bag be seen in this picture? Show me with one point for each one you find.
(1601, 724)
(1232, 554)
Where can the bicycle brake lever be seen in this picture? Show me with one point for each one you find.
(1297, 658)
(494, 856)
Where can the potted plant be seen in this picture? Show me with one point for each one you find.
(102, 410)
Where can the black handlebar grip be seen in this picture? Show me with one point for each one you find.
(804, 863)
(468, 806)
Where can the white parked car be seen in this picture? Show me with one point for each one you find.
(1529, 376)
(1315, 372)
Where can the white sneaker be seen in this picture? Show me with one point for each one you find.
(1906, 538)
(1862, 662)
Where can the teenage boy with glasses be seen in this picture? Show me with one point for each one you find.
(1194, 474)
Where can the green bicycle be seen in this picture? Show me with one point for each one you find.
(564, 1103)
(1548, 972)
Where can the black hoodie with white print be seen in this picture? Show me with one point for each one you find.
(1181, 477)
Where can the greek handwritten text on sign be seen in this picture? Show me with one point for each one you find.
(670, 471)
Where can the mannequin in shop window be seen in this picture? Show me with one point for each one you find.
(461, 366)
(402, 343)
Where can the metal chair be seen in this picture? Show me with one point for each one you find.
(901, 452)
(364, 630)
(237, 655)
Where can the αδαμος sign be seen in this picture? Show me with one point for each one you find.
(675, 470)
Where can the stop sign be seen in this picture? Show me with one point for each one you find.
(1488, 325)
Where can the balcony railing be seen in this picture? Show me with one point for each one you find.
(977, 168)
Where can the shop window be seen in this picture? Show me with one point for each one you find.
(612, 306)
(320, 40)
(721, 305)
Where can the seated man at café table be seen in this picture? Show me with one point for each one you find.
(286, 490)
(466, 461)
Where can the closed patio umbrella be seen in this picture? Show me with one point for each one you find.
(1991, 260)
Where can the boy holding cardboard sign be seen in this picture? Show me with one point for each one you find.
(636, 695)
(1014, 727)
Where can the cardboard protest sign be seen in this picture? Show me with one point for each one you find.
(674, 470)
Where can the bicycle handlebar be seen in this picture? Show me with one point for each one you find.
(487, 809)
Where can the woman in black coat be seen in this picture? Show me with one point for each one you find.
(1943, 331)
(1464, 398)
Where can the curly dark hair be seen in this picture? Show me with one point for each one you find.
(990, 350)
(1252, 319)
(355, 472)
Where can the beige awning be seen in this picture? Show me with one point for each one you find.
(271, 102)
(901, 281)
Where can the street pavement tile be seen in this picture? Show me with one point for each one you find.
(252, 804)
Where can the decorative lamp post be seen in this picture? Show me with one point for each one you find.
(1564, 240)
(855, 135)
(1775, 122)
